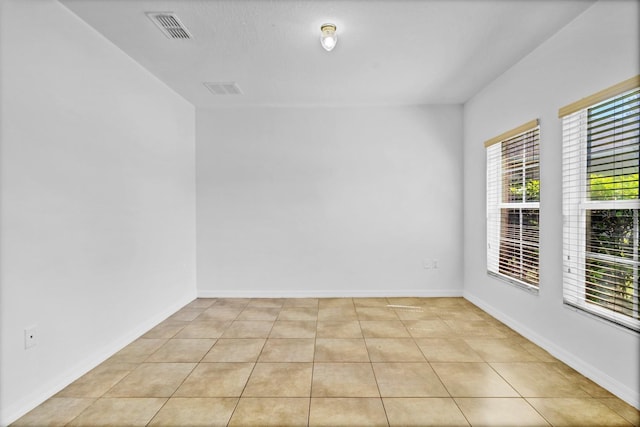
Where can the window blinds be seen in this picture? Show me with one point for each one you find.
(513, 202)
(601, 241)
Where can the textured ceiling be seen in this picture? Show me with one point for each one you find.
(388, 52)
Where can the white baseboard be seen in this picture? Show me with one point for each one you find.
(50, 388)
(259, 293)
(632, 397)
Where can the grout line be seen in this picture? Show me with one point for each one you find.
(538, 412)
(313, 365)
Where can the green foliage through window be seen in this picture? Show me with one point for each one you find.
(620, 187)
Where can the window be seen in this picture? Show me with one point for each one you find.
(601, 241)
(513, 205)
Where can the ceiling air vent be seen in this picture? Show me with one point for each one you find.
(223, 88)
(170, 25)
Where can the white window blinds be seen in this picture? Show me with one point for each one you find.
(601, 241)
(513, 205)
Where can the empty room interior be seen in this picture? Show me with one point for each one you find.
(322, 213)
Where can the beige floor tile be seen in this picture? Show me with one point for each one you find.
(623, 409)
(538, 379)
(448, 302)
(204, 329)
(248, 329)
(344, 380)
(264, 412)
(97, 382)
(341, 350)
(195, 412)
(496, 411)
(56, 411)
(235, 350)
(500, 350)
(335, 302)
(201, 303)
(333, 314)
(408, 380)
(447, 350)
(417, 313)
(593, 389)
(293, 329)
(280, 380)
(114, 364)
(431, 328)
(370, 302)
(538, 352)
(111, 412)
(572, 412)
(137, 351)
(267, 302)
(259, 313)
(221, 313)
(166, 329)
(383, 329)
(152, 380)
(298, 313)
(109, 365)
(187, 314)
(472, 380)
(232, 302)
(509, 333)
(301, 302)
(347, 412)
(339, 329)
(182, 350)
(287, 350)
(474, 328)
(407, 301)
(216, 380)
(458, 314)
(376, 313)
(393, 350)
(423, 412)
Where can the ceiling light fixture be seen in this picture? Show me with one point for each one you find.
(328, 37)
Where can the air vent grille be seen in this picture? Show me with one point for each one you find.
(170, 25)
(223, 88)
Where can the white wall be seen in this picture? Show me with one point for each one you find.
(598, 49)
(329, 201)
(98, 200)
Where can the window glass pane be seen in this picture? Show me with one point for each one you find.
(521, 170)
(612, 149)
(532, 185)
(611, 232)
(514, 186)
(611, 285)
(512, 173)
(532, 174)
(519, 244)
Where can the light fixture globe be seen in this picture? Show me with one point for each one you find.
(328, 37)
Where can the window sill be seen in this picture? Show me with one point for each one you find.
(515, 283)
(590, 313)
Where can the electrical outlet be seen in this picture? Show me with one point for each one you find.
(30, 337)
(435, 264)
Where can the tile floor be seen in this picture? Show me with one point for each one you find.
(332, 362)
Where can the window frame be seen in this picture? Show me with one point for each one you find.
(495, 205)
(576, 206)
